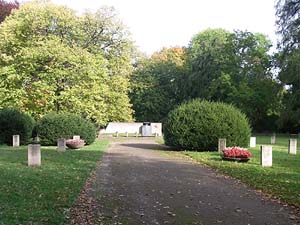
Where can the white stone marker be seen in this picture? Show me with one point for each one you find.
(61, 145)
(266, 155)
(136, 134)
(117, 134)
(76, 137)
(222, 144)
(252, 142)
(293, 146)
(34, 155)
(16, 140)
(273, 139)
(126, 134)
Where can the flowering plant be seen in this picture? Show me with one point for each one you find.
(75, 144)
(236, 152)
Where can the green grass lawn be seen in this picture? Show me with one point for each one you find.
(281, 180)
(43, 195)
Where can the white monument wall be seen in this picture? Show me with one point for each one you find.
(130, 128)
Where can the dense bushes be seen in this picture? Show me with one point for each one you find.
(197, 125)
(64, 125)
(14, 122)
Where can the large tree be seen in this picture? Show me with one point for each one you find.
(53, 60)
(234, 68)
(288, 58)
(155, 84)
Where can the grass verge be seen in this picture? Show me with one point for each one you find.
(43, 195)
(282, 180)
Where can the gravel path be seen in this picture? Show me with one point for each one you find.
(135, 184)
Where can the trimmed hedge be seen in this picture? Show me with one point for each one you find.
(13, 122)
(197, 125)
(64, 125)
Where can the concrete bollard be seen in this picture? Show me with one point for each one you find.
(16, 140)
(34, 155)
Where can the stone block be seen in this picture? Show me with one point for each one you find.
(293, 146)
(61, 145)
(221, 144)
(273, 139)
(266, 155)
(16, 140)
(76, 137)
(252, 142)
(34, 155)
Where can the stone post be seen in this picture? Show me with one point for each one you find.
(34, 155)
(266, 155)
(126, 134)
(61, 145)
(136, 134)
(76, 137)
(273, 139)
(293, 146)
(222, 144)
(252, 142)
(117, 134)
(16, 140)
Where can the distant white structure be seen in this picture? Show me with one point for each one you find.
(131, 128)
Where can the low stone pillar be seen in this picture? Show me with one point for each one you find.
(126, 134)
(34, 155)
(136, 134)
(16, 140)
(293, 146)
(266, 155)
(273, 139)
(252, 142)
(61, 145)
(117, 134)
(76, 137)
(221, 144)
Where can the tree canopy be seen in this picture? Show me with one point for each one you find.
(288, 22)
(53, 60)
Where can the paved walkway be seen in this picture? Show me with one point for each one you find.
(136, 184)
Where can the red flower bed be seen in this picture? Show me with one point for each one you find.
(236, 152)
(75, 144)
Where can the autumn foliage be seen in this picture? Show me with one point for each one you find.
(6, 8)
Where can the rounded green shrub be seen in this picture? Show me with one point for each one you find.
(64, 125)
(14, 122)
(197, 125)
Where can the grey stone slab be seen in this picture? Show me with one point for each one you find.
(221, 144)
(34, 155)
(266, 155)
(252, 142)
(61, 145)
(293, 146)
(16, 140)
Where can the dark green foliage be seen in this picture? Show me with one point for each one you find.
(13, 122)
(197, 125)
(64, 125)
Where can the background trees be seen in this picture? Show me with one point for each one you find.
(155, 84)
(288, 58)
(218, 66)
(53, 60)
